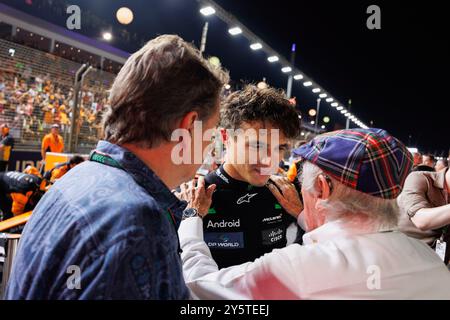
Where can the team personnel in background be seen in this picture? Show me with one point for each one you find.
(352, 248)
(61, 169)
(52, 142)
(245, 219)
(115, 216)
(19, 192)
(6, 146)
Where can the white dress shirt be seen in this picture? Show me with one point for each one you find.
(335, 262)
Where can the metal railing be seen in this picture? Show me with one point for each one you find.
(12, 241)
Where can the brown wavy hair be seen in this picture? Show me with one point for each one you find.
(267, 105)
(157, 86)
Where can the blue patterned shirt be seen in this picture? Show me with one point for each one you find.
(102, 232)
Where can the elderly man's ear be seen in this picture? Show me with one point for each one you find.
(324, 187)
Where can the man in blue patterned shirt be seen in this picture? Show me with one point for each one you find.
(107, 229)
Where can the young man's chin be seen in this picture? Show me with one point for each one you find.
(259, 177)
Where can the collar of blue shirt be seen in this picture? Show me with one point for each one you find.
(145, 177)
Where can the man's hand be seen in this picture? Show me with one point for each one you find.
(197, 196)
(288, 197)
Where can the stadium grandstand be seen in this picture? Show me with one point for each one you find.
(38, 63)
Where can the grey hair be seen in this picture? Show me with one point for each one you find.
(350, 204)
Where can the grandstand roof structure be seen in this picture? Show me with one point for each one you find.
(19, 19)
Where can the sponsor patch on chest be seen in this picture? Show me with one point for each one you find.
(272, 219)
(224, 240)
(272, 236)
(234, 223)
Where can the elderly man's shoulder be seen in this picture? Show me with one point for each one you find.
(363, 250)
(356, 258)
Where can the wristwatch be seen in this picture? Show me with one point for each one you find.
(190, 212)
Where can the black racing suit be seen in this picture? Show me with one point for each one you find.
(244, 221)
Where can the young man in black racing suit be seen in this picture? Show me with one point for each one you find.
(245, 219)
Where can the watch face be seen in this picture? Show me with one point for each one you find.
(190, 212)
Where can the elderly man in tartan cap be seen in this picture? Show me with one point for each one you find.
(352, 249)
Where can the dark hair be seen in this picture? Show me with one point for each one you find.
(423, 168)
(264, 105)
(158, 85)
(76, 160)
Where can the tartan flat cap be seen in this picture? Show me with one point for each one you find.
(368, 160)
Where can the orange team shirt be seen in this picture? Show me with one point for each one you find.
(59, 172)
(50, 144)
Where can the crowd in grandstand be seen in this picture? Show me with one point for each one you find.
(32, 105)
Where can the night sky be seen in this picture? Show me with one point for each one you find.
(395, 77)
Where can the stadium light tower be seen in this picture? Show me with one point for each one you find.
(347, 122)
(204, 37)
(317, 114)
(205, 11)
(290, 78)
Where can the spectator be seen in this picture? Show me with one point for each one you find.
(350, 214)
(425, 208)
(246, 218)
(428, 160)
(441, 164)
(115, 216)
(32, 105)
(6, 146)
(52, 142)
(417, 159)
